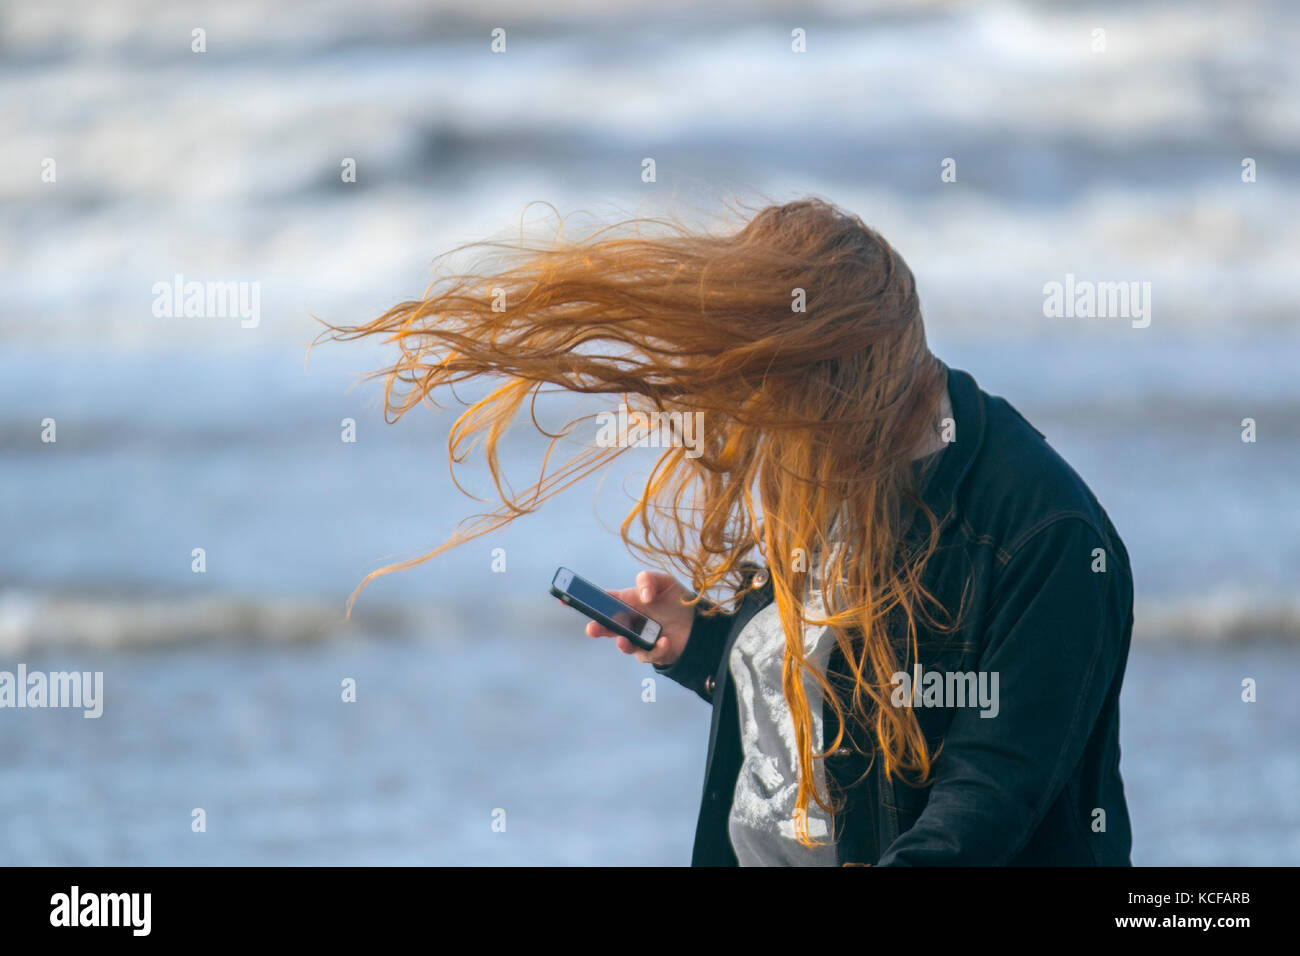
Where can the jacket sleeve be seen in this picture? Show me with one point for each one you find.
(1058, 632)
(703, 652)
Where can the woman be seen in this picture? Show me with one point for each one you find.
(952, 696)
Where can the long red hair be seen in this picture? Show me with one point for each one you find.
(799, 337)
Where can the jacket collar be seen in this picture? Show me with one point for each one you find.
(968, 412)
(940, 491)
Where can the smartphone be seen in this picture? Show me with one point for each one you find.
(605, 609)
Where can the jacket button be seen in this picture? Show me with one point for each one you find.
(760, 578)
(709, 684)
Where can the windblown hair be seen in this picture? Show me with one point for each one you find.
(811, 419)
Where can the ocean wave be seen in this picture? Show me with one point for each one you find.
(32, 622)
(35, 622)
(1230, 617)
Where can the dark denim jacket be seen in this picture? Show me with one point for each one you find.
(1048, 606)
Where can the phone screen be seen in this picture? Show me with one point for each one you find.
(598, 600)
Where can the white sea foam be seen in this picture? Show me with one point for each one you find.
(225, 165)
(36, 622)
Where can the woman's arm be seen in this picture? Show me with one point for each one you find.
(1057, 636)
(690, 646)
(700, 658)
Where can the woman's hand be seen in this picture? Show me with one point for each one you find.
(659, 597)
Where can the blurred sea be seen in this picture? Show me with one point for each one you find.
(475, 690)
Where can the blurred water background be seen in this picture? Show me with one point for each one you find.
(476, 691)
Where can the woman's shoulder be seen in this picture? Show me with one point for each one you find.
(1018, 486)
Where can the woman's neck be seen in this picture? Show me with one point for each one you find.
(932, 441)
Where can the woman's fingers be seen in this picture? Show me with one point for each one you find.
(631, 596)
(651, 589)
(627, 596)
(596, 629)
(645, 657)
(650, 586)
(657, 655)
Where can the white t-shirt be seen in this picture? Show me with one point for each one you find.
(761, 825)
